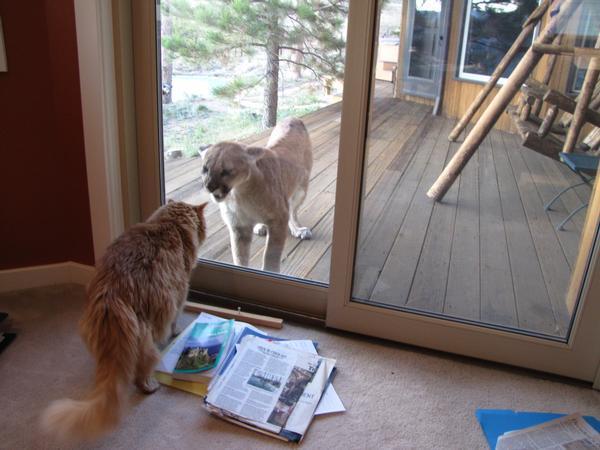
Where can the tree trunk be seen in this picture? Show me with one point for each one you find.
(167, 59)
(270, 101)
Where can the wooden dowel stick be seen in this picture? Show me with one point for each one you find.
(500, 102)
(254, 319)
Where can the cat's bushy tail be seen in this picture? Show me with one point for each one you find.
(110, 328)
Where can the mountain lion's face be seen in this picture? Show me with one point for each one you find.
(225, 166)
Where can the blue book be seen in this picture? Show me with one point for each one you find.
(496, 422)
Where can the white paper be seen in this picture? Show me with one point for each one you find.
(568, 432)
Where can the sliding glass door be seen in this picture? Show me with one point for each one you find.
(485, 273)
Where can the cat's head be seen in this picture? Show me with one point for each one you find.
(225, 165)
(184, 214)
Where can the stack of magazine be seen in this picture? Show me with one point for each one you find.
(271, 385)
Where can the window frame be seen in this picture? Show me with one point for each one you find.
(583, 28)
(460, 74)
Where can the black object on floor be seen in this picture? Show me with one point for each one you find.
(6, 338)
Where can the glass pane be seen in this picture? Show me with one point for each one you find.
(425, 37)
(589, 27)
(238, 72)
(492, 252)
(491, 28)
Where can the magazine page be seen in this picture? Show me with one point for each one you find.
(568, 432)
(300, 417)
(330, 402)
(264, 382)
(171, 353)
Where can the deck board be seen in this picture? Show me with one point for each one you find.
(429, 284)
(552, 260)
(488, 252)
(534, 310)
(497, 303)
(463, 286)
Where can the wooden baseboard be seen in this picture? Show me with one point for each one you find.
(46, 275)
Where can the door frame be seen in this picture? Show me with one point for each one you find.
(213, 278)
(95, 50)
(578, 357)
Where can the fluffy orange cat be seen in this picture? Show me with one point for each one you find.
(134, 299)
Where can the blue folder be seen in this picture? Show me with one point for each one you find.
(495, 422)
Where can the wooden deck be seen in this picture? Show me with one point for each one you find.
(488, 252)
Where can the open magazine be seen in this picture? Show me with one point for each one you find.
(270, 387)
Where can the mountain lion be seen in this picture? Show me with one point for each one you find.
(261, 188)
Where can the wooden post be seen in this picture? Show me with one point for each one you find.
(585, 97)
(537, 106)
(500, 102)
(528, 28)
(525, 111)
(591, 77)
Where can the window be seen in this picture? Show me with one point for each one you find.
(490, 28)
(586, 37)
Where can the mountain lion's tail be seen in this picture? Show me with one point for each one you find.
(110, 328)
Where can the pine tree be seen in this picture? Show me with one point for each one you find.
(167, 55)
(304, 33)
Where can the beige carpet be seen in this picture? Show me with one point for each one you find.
(397, 396)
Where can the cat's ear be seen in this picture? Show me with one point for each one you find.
(255, 152)
(200, 209)
(170, 201)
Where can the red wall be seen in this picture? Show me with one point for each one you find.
(44, 212)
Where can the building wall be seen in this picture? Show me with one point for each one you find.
(45, 216)
(459, 93)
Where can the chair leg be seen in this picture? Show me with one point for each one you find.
(561, 226)
(549, 204)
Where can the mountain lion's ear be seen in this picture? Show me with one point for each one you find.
(255, 152)
(202, 150)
